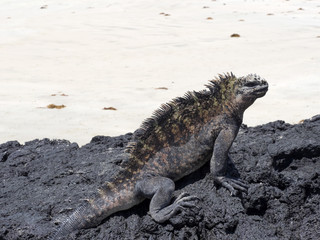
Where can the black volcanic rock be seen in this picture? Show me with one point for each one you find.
(43, 181)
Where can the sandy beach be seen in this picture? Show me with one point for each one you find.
(112, 63)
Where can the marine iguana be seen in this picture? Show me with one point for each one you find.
(178, 139)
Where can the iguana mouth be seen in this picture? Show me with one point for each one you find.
(261, 90)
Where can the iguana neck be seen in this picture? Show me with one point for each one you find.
(236, 110)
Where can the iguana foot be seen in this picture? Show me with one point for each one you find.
(233, 185)
(183, 201)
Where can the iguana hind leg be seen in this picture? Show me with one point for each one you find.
(160, 190)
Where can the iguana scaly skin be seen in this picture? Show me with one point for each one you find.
(178, 139)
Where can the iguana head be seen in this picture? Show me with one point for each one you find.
(252, 86)
(249, 88)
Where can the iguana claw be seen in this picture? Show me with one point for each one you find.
(233, 185)
(183, 201)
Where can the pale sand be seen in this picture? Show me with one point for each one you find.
(115, 53)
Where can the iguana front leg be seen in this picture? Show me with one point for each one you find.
(219, 160)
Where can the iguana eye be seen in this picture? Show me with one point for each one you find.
(250, 84)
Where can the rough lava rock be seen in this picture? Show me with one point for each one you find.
(44, 181)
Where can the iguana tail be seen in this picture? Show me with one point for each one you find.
(91, 213)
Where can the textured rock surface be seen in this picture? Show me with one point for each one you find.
(43, 181)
